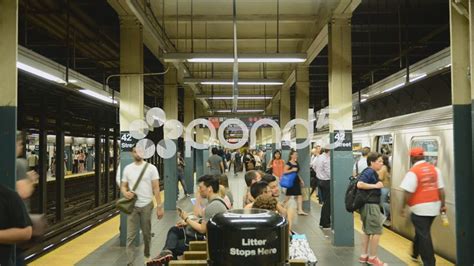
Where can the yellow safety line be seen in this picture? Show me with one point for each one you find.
(394, 243)
(79, 248)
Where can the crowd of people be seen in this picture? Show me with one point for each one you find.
(262, 180)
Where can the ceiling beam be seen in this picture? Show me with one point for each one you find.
(269, 18)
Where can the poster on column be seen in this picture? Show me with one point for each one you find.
(342, 140)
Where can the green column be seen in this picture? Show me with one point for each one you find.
(462, 125)
(131, 92)
(340, 121)
(188, 117)
(170, 106)
(302, 107)
(284, 118)
(8, 90)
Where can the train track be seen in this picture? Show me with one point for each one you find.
(64, 231)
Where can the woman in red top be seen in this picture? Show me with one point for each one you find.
(277, 164)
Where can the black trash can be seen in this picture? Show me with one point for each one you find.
(248, 237)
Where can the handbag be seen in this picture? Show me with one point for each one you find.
(126, 205)
(288, 179)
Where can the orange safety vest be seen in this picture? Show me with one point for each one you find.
(427, 188)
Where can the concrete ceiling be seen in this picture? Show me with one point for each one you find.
(264, 26)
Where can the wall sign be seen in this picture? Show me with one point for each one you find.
(127, 142)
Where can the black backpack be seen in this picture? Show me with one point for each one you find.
(353, 199)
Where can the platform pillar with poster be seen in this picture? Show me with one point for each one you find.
(340, 126)
(131, 95)
(285, 101)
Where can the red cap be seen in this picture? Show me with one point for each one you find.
(417, 151)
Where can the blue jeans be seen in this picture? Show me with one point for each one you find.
(384, 201)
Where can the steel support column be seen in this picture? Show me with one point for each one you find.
(131, 91)
(60, 164)
(170, 107)
(106, 165)
(462, 99)
(302, 110)
(340, 126)
(8, 90)
(43, 160)
(97, 176)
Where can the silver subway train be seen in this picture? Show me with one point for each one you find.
(431, 129)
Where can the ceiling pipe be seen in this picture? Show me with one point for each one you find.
(235, 76)
(164, 42)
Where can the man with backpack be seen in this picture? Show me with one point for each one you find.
(208, 188)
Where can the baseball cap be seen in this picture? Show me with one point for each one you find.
(417, 151)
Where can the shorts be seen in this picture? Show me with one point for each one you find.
(372, 219)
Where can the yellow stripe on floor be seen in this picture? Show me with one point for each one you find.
(80, 247)
(394, 243)
(75, 250)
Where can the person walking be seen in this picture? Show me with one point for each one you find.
(147, 176)
(276, 164)
(215, 163)
(295, 190)
(372, 218)
(180, 173)
(385, 177)
(424, 194)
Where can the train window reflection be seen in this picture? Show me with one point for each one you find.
(431, 147)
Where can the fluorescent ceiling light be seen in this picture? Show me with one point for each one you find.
(418, 77)
(363, 100)
(240, 97)
(243, 82)
(246, 60)
(73, 81)
(39, 73)
(242, 58)
(394, 87)
(98, 96)
(240, 111)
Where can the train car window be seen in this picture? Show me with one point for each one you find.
(431, 147)
(384, 144)
(356, 150)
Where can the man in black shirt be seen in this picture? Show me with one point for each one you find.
(15, 224)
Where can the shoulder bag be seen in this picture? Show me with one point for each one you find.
(127, 205)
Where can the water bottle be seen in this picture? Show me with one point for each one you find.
(444, 219)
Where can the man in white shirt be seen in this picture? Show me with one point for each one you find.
(424, 193)
(361, 164)
(323, 172)
(315, 152)
(141, 215)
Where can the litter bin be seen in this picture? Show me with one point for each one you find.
(248, 237)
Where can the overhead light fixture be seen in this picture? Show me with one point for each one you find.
(98, 96)
(394, 87)
(242, 82)
(229, 58)
(418, 77)
(240, 111)
(240, 97)
(39, 73)
(363, 100)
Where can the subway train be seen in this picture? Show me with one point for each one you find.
(430, 129)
